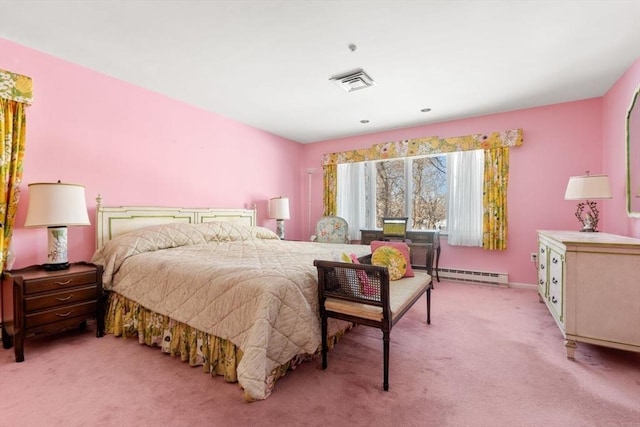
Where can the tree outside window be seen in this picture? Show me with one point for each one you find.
(424, 179)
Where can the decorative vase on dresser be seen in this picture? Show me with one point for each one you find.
(591, 284)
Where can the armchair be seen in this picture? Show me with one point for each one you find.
(331, 229)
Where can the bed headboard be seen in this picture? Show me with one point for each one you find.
(114, 221)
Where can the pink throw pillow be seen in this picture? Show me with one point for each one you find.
(402, 247)
(365, 283)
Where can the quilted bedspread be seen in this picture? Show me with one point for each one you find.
(233, 281)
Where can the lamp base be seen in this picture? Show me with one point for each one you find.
(57, 247)
(280, 228)
(590, 218)
(56, 267)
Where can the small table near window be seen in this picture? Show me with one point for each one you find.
(415, 236)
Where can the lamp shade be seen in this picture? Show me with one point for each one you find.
(56, 204)
(588, 187)
(279, 208)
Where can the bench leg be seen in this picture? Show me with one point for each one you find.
(324, 342)
(428, 306)
(386, 339)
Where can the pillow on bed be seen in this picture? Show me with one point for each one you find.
(265, 233)
(392, 258)
(402, 247)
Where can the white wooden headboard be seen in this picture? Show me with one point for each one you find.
(114, 221)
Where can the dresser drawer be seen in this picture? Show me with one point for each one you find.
(57, 299)
(60, 313)
(57, 283)
(542, 271)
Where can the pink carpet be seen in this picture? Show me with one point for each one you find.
(491, 357)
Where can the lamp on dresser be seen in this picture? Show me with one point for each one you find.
(56, 206)
(588, 188)
(279, 210)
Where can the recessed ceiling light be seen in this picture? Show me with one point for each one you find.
(365, 121)
(425, 110)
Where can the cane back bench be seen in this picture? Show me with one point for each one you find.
(341, 296)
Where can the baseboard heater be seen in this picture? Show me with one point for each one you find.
(474, 276)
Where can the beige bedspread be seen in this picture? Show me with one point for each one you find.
(229, 280)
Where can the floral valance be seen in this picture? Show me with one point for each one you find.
(16, 87)
(425, 146)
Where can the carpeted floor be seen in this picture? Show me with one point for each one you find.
(491, 357)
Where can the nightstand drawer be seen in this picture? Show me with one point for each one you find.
(72, 296)
(60, 313)
(57, 283)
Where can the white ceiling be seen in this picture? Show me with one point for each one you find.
(267, 63)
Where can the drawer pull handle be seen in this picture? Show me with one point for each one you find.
(64, 283)
(554, 281)
(64, 314)
(65, 299)
(554, 300)
(555, 260)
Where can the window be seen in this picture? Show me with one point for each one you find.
(415, 187)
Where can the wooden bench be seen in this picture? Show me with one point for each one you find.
(341, 296)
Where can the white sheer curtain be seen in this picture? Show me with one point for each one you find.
(351, 197)
(465, 172)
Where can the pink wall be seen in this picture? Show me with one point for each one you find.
(616, 103)
(136, 147)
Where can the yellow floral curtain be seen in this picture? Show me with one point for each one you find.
(495, 145)
(496, 179)
(330, 181)
(15, 95)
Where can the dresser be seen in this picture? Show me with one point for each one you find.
(590, 283)
(417, 238)
(36, 301)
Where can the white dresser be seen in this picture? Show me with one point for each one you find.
(591, 285)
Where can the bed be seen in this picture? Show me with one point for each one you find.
(211, 287)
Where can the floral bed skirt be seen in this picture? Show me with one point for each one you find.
(217, 356)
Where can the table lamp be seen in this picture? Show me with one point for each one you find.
(56, 206)
(588, 187)
(279, 210)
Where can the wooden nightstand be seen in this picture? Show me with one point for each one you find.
(36, 301)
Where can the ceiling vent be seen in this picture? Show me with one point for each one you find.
(354, 80)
